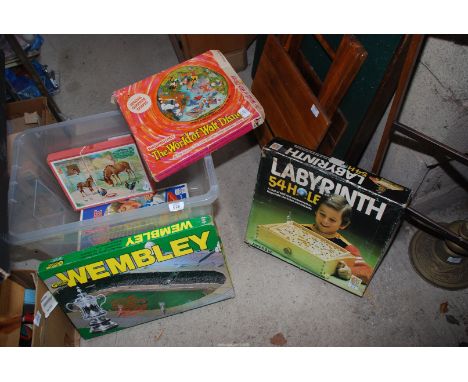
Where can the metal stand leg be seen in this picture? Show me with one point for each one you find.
(392, 126)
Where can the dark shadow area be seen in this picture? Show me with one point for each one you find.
(443, 161)
(233, 149)
(4, 178)
(460, 39)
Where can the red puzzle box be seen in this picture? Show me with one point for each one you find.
(100, 173)
(185, 112)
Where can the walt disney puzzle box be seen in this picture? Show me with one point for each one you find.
(185, 112)
(331, 219)
(140, 278)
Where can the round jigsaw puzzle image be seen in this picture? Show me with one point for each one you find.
(191, 92)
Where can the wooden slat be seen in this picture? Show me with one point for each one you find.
(327, 145)
(287, 98)
(339, 123)
(272, 108)
(263, 134)
(283, 39)
(405, 77)
(326, 46)
(308, 72)
(349, 58)
(379, 104)
(293, 44)
(335, 132)
(286, 105)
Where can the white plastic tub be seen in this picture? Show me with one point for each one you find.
(41, 221)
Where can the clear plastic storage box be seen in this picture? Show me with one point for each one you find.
(42, 223)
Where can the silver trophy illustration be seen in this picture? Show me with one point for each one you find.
(91, 311)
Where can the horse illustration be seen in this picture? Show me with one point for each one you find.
(88, 183)
(73, 169)
(111, 172)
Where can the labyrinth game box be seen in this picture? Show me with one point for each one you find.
(140, 278)
(185, 112)
(331, 219)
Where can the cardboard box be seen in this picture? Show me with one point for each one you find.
(234, 47)
(15, 113)
(331, 219)
(22, 115)
(55, 330)
(140, 278)
(183, 113)
(11, 309)
(100, 173)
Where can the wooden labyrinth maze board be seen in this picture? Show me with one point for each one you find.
(302, 246)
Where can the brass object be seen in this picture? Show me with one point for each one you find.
(441, 262)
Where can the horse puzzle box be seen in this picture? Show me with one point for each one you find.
(140, 278)
(100, 173)
(331, 219)
(185, 112)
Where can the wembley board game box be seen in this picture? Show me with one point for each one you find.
(331, 219)
(100, 173)
(185, 112)
(140, 278)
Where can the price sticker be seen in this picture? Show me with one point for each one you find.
(37, 318)
(178, 206)
(48, 304)
(244, 112)
(315, 111)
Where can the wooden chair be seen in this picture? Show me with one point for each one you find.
(298, 105)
